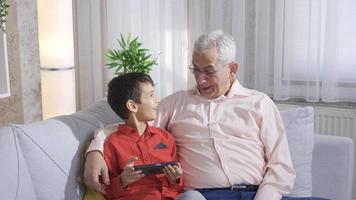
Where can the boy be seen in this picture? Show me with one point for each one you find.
(132, 97)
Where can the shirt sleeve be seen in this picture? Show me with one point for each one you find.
(97, 144)
(110, 157)
(279, 175)
(164, 113)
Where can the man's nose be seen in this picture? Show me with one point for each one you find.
(200, 77)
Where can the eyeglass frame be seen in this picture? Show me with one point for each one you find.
(196, 71)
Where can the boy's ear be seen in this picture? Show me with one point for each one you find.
(131, 105)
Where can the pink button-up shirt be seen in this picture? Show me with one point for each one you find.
(233, 139)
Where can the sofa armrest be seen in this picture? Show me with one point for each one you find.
(15, 179)
(332, 167)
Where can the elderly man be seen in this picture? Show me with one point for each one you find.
(231, 141)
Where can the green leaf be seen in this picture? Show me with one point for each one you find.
(147, 57)
(110, 54)
(112, 65)
(117, 69)
(122, 42)
(128, 39)
(143, 50)
(134, 42)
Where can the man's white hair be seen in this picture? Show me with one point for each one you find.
(223, 42)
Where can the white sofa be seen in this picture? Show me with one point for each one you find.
(44, 160)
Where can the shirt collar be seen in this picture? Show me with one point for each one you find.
(236, 89)
(127, 130)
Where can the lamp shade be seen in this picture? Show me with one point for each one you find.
(55, 30)
(55, 26)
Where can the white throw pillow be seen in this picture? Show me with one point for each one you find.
(299, 125)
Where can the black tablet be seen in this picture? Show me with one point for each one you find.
(153, 168)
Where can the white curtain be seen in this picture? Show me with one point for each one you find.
(315, 50)
(209, 15)
(286, 48)
(161, 26)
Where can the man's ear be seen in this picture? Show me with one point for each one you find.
(233, 69)
(131, 105)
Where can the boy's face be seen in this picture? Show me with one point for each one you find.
(147, 109)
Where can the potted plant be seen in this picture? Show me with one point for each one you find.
(3, 14)
(130, 57)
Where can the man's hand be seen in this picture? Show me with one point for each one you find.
(173, 173)
(95, 168)
(129, 175)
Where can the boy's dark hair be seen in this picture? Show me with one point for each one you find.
(123, 88)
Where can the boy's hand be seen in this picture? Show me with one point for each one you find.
(173, 173)
(129, 175)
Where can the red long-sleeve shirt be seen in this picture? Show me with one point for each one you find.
(154, 146)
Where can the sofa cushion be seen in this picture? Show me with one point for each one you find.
(299, 125)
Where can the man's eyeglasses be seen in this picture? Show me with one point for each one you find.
(209, 71)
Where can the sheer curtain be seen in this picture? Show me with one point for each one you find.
(208, 15)
(162, 27)
(286, 48)
(315, 52)
(251, 24)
